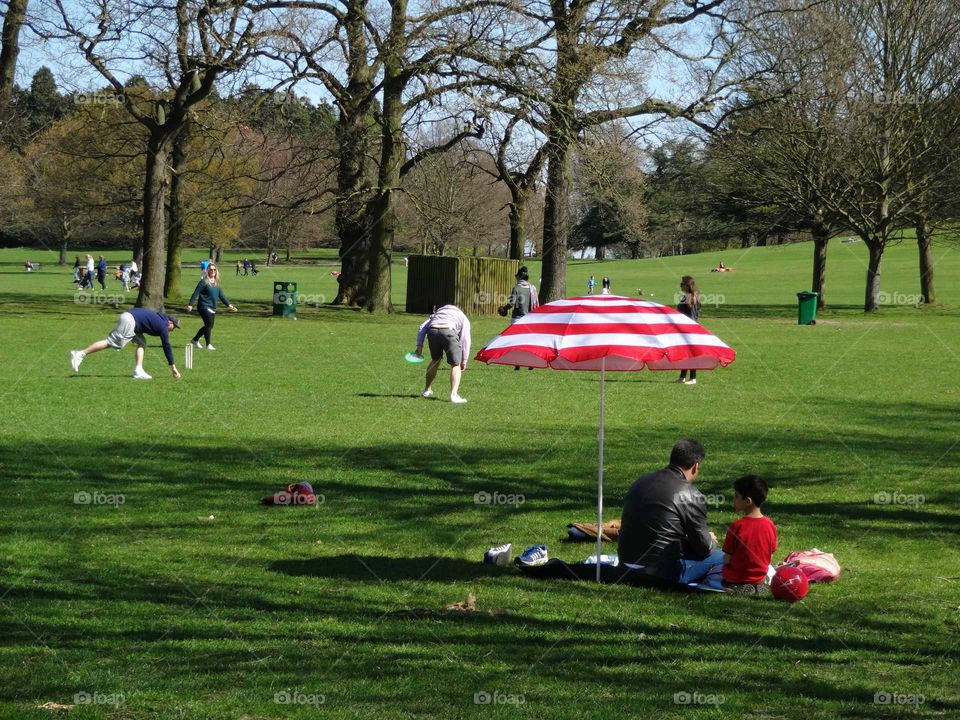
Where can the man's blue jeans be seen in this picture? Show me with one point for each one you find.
(696, 570)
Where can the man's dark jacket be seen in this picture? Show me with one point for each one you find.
(664, 519)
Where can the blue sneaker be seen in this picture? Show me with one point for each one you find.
(533, 556)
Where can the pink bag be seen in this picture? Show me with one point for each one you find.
(816, 565)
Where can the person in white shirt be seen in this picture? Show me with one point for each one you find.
(448, 333)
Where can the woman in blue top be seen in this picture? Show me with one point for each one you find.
(205, 296)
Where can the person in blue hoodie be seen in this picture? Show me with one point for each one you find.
(133, 325)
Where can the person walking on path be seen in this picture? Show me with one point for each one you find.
(208, 291)
(246, 266)
(239, 265)
(591, 284)
(448, 333)
(133, 325)
(689, 305)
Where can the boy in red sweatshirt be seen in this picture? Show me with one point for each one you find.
(751, 540)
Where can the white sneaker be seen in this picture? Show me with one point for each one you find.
(427, 393)
(210, 347)
(140, 374)
(689, 382)
(457, 400)
(76, 357)
(199, 344)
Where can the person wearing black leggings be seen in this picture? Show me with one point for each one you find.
(206, 295)
(689, 305)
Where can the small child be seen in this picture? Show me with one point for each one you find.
(751, 540)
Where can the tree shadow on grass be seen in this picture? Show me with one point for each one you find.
(366, 568)
(410, 396)
(430, 483)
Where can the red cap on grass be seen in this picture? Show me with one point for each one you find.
(790, 584)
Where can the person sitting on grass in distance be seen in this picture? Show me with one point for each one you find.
(751, 540)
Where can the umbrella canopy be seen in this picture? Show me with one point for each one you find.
(606, 332)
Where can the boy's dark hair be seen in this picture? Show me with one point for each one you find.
(686, 453)
(523, 273)
(753, 487)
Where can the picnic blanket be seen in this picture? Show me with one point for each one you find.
(619, 574)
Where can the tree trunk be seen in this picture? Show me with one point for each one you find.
(171, 283)
(288, 253)
(555, 216)
(63, 251)
(518, 222)
(383, 215)
(154, 221)
(138, 247)
(13, 20)
(872, 296)
(353, 146)
(821, 238)
(927, 289)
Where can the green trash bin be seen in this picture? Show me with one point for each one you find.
(285, 299)
(807, 307)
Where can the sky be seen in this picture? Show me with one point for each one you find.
(73, 73)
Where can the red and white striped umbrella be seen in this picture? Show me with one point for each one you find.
(607, 332)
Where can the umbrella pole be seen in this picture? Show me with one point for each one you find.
(603, 366)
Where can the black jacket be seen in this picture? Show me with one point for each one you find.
(664, 519)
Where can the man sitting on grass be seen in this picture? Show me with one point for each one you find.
(664, 521)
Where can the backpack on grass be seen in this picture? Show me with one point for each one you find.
(817, 565)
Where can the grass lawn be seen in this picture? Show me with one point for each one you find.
(175, 595)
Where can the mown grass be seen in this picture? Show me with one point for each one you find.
(190, 600)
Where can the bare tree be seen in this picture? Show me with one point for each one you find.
(187, 46)
(14, 16)
(933, 84)
(520, 170)
(610, 209)
(903, 91)
(456, 206)
(782, 149)
(596, 78)
(310, 53)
